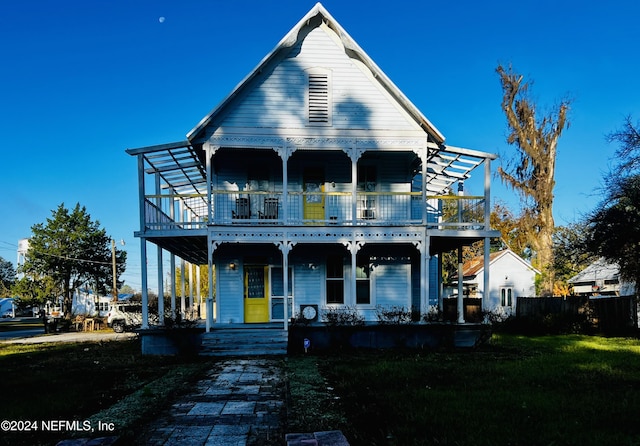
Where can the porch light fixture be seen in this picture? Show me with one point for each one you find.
(232, 265)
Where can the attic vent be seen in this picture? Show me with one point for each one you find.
(319, 105)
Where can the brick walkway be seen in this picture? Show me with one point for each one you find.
(241, 403)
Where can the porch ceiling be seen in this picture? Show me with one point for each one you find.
(191, 248)
(445, 241)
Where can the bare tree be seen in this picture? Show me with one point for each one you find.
(628, 153)
(531, 171)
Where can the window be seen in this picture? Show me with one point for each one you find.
(367, 181)
(506, 297)
(363, 281)
(367, 178)
(319, 99)
(335, 280)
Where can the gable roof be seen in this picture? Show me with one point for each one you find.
(182, 164)
(475, 266)
(315, 17)
(601, 269)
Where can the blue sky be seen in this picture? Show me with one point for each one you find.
(82, 80)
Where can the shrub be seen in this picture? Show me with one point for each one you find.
(393, 315)
(342, 316)
(433, 314)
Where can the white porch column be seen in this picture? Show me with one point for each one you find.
(143, 243)
(487, 227)
(354, 248)
(285, 248)
(424, 157)
(209, 315)
(487, 194)
(145, 290)
(183, 286)
(486, 288)
(173, 285)
(190, 288)
(285, 153)
(354, 155)
(460, 300)
(208, 154)
(160, 288)
(440, 286)
(198, 289)
(424, 249)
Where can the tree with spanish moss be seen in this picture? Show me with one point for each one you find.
(531, 171)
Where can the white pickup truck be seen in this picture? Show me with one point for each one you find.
(124, 316)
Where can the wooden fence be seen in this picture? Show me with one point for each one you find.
(606, 315)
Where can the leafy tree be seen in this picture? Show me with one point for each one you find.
(503, 220)
(35, 291)
(7, 277)
(531, 171)
(512, 233)
(72, 250)
(204, 280)
(570, 252)
(629, 151)
(614, 227)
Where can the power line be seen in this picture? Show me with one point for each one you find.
(73, 259)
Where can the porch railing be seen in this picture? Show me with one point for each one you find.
(180, 211)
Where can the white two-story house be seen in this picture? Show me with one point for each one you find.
(315, 182)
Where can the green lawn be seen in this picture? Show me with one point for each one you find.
(556, 390)
(73, 382)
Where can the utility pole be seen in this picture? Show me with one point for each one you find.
(114, 290)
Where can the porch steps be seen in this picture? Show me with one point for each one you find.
(245, 342)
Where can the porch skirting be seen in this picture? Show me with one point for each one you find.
(431, 336)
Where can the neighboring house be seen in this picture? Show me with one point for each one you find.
(510, 277)
(85, 303)
(601, 278)
(316, 181)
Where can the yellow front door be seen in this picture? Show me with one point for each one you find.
(313, 195)
(256, 294)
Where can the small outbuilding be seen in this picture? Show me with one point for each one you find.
(510, 277)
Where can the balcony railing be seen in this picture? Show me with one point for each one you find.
(313, 208)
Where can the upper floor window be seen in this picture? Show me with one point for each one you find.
(319, 97)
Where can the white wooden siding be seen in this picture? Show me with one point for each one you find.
(277, 98)
(309, 273)
(392, 284)
(231, 292)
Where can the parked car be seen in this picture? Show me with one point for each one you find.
(8, 313)
(124, 316)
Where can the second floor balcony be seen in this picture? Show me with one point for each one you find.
(258, 188)
(175, 211)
